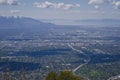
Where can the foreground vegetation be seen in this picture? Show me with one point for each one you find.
(63, 75)
(100, 71)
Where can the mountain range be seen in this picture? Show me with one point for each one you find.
(16, 25)
(22, 22)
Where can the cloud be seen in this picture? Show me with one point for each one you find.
(47, 4)
(97, 7)
(8, 2)
(98, 2)
(116, 4)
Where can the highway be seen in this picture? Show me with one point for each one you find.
(81, 52)
(115, 77)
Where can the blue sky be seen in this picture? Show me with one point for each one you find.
(60, 11)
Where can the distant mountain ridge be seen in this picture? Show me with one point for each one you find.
(16, 25)
(22, 21)
(100, 21)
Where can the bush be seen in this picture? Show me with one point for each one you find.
(63, 75)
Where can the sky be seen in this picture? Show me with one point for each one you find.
(61, 11)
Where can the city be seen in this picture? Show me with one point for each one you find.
(36, 55)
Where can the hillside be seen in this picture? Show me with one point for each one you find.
(16, 25)
(21, 22)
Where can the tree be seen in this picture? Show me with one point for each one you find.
(52, 76)
(7, 74)
(64, 75)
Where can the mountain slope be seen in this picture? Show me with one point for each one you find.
(21, 21)
(16, 25)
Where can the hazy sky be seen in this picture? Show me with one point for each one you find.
(61, 10)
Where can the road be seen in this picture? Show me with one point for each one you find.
(115, 77)
(81, 52)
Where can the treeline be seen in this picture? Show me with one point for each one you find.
(63, 75)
